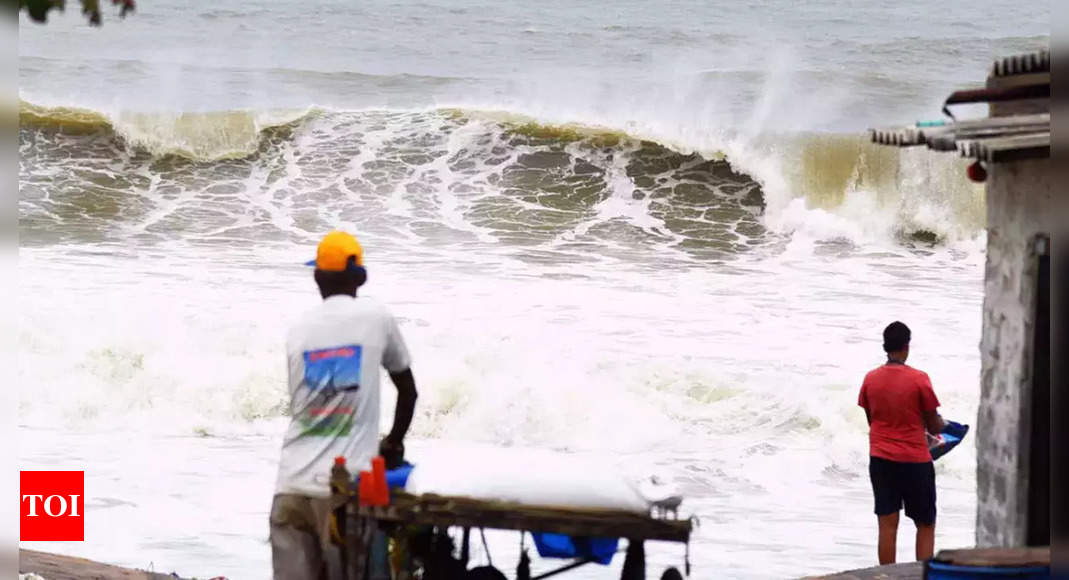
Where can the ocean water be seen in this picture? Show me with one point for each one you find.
(646, 232)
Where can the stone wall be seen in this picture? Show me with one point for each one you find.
(1019, 207)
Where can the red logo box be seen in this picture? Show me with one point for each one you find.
(52, 506)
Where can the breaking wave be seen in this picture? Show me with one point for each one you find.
(831, 187)
(198, 136)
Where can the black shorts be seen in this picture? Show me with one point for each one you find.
(895, 484)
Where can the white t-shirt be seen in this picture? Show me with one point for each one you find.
(334, 355)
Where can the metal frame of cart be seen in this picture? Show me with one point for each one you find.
(443, 512)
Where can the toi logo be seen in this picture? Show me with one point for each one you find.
(51, 506)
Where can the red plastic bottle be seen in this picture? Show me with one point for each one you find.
(380, 491)
(365, 492)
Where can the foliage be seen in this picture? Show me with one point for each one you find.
(38, 9)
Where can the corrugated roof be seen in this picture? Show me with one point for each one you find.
(1008, 148)
(992, 139)
(1036, 62)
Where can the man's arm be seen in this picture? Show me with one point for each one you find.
(933, 422)
(392, 447)
(863, 402)
(406, 404)
(396, 361)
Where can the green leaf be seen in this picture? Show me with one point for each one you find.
(91, 9)
(38, 9)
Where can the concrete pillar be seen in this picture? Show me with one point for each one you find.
(1019, 207)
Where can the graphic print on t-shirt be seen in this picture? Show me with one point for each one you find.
(326, 420)
(328, 373)
(333, 369)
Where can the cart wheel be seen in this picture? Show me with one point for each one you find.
(671, 574)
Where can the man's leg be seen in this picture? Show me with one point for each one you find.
(295, 552)
(920, 507)
(888, 543)
(350, 559)
(887, 496)
(925, 541)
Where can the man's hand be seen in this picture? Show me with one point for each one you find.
(393, 452)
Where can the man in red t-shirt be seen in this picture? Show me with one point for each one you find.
(900, 405)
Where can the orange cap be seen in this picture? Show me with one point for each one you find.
(334, 251)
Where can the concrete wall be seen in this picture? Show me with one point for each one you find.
(1019, 207)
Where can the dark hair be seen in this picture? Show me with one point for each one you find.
(344, 282)
(895, 337)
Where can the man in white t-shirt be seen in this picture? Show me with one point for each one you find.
(334, 353)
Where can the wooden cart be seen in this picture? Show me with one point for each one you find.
(413, 522)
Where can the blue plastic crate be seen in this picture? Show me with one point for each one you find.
(940, 571)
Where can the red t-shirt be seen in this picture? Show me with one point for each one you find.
(896, 395)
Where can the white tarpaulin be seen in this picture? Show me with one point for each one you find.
(526, 476)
